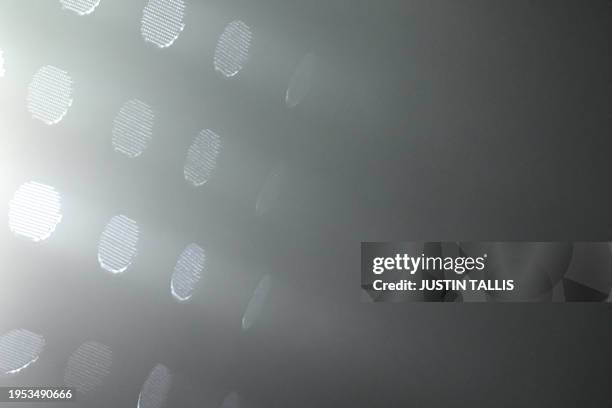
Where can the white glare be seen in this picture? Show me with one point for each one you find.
(232, 50)
(35, 211)
(162, 21)
(88, 366)
(133, 128)
(300, 81)
(19, 349)
(255, 307)
(187, 272)
(202, 157)
(118, 244)
(80, 7)
(154, 391)
(50, 94)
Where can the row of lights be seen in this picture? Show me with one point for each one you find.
(34, 213)
(50, 96)
(35, 209)
(86, 368)
(162, 23)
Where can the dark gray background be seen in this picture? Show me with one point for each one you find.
(428, 120)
